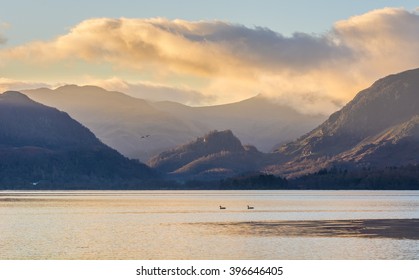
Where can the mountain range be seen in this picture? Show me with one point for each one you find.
(42, 146)
(118, 120)
(257, 121)
(123, 122)
(373, 139)
(379, 128)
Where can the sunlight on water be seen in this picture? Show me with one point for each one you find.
(190, 225)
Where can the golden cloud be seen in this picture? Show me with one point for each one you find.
(314, 73)
(9, 84)
(152, 91)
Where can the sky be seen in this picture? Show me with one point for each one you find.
(311, 55)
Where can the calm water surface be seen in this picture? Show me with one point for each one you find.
(190, 225)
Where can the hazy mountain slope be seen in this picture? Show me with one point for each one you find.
(119, 120)
(377, 128)
(218, 154)
(41, 144)
(256, 121)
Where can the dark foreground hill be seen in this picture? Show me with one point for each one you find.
(41, 147)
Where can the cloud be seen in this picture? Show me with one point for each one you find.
(381, 39)
(9, 84)
(153, 92)
(197, 48)
(215, 61)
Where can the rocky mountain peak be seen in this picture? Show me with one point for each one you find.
(221, 140)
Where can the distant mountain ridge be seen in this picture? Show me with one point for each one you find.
(117, 119)
(256, 121)
(121, 121)
(379, 127)
(41, 147)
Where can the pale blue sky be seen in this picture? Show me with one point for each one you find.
(27, 20)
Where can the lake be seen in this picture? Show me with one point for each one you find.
(189, 225)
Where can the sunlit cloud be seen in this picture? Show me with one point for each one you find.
(9, 84)
(217, 62)
(382, 40)
(153, 92)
